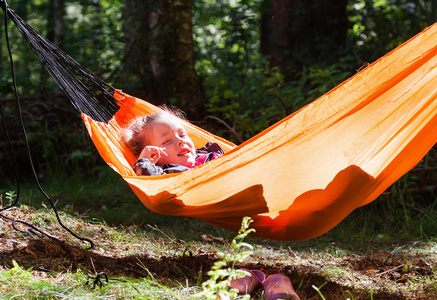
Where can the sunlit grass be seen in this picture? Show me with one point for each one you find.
(362, 257)
(354, 271)
(18, 283)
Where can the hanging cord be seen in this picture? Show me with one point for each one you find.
(30, 228)
(97, 280)
(88, 93)
(4, 4)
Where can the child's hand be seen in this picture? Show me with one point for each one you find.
(153, 153)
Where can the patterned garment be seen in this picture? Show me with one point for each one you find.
(144, 167)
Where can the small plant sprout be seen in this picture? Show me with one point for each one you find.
(223, 270)
(11, 197)
(318, 290)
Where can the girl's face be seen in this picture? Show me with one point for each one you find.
(171, 135)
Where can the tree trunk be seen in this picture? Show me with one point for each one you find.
(266, 27)
(330, 22)
(55, 33)
(55, 24)
(297, 26)
(286, 37)
(135, 78)
(59, 22)
(187, 86)
(159, 49)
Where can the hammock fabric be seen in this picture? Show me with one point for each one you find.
(302, 176)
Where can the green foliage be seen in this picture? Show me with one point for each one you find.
(58, 141)
(94, 35)
(378, 26)
(249, 96)
(90, 27)
(240, 86)
(10, 197)
(264, 98)
(226, 35)
(224, 270)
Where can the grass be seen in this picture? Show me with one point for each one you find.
(18, 283)
(150, 256)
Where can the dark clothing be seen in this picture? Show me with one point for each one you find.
(144, 167)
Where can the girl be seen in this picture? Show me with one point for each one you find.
(163, 146)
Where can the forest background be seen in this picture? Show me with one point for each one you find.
(235, 68)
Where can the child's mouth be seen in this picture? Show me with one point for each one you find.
(183, 152)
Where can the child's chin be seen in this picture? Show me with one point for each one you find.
(189, 164)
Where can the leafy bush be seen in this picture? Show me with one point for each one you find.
(264, 98)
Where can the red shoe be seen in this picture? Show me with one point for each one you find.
(278, 286)
(248, 284)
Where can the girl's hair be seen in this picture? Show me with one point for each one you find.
(138, 125)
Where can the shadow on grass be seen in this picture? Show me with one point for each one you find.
(54, 257)
(109, 200)
(105, 197)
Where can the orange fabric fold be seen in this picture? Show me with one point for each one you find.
(302, 176)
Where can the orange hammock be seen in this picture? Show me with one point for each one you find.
(298, 178)
(302, 176)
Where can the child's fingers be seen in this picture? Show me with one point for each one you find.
(155, 154)
(145, 153)
(163, 152)
(160, 152)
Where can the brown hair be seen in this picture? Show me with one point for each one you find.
(138, 125)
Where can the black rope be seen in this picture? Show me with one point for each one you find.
(88, 93)
(32, 228)
(14, 156)
(97, 280)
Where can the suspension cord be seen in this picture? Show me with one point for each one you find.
(32, 228)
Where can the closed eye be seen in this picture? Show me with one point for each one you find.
(182, 133)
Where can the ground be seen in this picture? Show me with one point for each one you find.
(341, 270)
